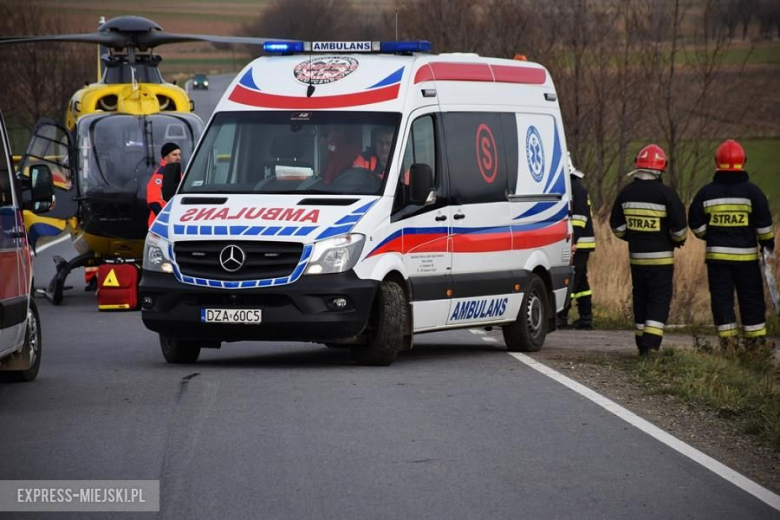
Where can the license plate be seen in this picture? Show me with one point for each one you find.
(247, 316)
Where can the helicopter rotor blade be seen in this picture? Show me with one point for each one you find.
(114, 40)
(154, 39)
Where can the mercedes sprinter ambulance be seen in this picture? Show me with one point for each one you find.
(359, 193)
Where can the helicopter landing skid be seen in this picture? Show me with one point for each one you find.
(54, 292)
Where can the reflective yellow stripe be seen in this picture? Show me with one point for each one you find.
(114, 307)
(652, 261)
(578, 223)
(728, 256)
(700, 234)
(654, 331)
(644, 212)
(619, 234)
(766, 236)
(639, 332)
(728, 207)
(678, 239)
(727, 333)
(755, 333)
(581, 294)
(586, 245)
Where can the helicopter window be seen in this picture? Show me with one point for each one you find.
(294, 152)
(121, 73)
(120, 152)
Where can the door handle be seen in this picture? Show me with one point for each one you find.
(440, 218)
(459, 216)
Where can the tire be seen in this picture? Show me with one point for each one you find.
(528, 331)
(177, 351)
(32, 348)
(389, 323)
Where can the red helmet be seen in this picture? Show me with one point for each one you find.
(730, 156)
(651, 157)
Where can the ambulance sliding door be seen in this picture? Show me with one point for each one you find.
(482, 163)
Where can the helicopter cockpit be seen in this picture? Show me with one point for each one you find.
(117, 155)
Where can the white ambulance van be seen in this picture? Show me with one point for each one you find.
(358, 193)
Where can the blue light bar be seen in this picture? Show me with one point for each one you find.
(414, 46)
(282, 47)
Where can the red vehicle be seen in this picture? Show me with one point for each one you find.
(20, 329)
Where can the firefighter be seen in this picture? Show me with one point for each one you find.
(584, 243)
(651, 218)
(170, 153)
(732, 215)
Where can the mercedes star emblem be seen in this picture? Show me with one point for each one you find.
(232, 258)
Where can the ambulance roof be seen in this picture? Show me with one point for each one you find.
(368, 81)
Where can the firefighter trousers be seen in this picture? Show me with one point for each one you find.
(580, 293)
(745, 277)
(652, 294)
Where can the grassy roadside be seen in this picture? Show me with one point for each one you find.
(739, 385)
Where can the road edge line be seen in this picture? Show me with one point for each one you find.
(720, 469)
(44, 247)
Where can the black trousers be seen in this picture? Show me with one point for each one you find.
(580, 292)
(652, 288)
(745, 277)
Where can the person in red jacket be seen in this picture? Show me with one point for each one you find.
(171, 153)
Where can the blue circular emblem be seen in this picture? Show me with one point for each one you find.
(534, 151)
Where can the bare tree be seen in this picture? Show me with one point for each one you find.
(309, 20)
(41, 78)
(451, 25)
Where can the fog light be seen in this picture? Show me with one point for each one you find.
(339, 303)
(147, 302)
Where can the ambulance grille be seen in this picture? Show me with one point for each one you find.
(264, 260)
(204, 200)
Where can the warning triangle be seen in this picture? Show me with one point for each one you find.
(111, 280)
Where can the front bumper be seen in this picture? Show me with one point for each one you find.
(297, 312)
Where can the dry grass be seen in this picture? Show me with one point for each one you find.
(610, 277)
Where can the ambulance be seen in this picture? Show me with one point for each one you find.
(359, 193)
(20, 326)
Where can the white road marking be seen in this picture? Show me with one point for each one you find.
(491, 340)
(692, 453)
(476, 331)
(44, 247)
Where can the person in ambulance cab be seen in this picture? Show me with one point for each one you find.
(375, 158)
(651, 217)
(732, 215)
(171, 154)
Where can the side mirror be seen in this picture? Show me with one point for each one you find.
(420, 183)
(171, 178)
(41, 189)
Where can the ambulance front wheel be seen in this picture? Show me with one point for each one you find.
(528, 331)
(178, 351)
(387, 327)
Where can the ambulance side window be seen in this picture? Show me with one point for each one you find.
(421, 146)
(420, 149)
(477, 157)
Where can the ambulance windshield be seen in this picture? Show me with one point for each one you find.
(294, 152)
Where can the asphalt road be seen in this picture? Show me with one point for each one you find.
(206, 100)
(455, 429)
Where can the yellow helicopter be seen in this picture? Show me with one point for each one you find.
(103, 156)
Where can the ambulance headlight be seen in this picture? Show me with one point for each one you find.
(335, 255)
(155, 254)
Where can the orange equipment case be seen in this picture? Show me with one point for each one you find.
(117, 287)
